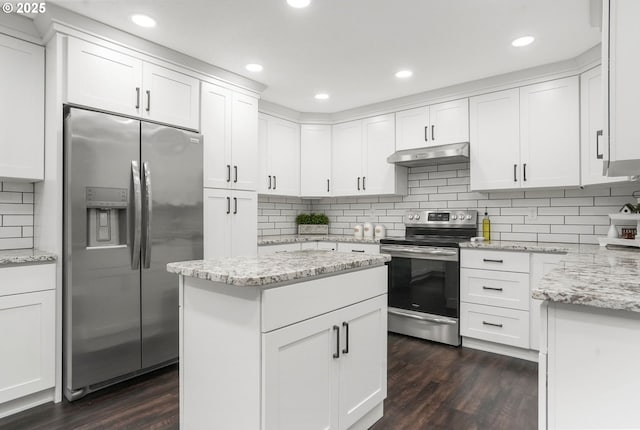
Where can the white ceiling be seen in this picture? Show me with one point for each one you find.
(352, 48)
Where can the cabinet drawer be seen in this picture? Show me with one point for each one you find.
(495, 260)
(329, 246)
(309, 245)
(276, 249)
(493, 288)
(290, 304)
(364, 248)
(27, 278)
(506, 326)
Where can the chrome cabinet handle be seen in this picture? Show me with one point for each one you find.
(491, 324)
(364, 186)
(137, 97)
(524, 172)
(269, 182)
(148, 101)
(345, 325)
(426, 133)
(515, 169)
(235, 174)
(433, 132)
(358, 250)
(423, 318)
(327, 185)
(358, 183)
(228, 205)
(492, 288)
(137, 214)
(235, 205)
(336, 329)
(598, 155)
(147, 204)
(228, 173)
(275, 182)
(489, 260)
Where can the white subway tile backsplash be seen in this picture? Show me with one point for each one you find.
(567, 238)
(16, 215)
(526, 237)
(587, 219)
(10, 232)
(575, 229)
(572, 201)
(16, 243)
(559, 210)
(531, 228)
(20, 187)
(11, 197)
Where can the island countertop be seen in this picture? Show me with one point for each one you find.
(301, 238)
(594, 276)
(272, 269)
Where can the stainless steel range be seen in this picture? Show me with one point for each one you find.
(424, 274)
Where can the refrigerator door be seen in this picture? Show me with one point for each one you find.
(172, 231)
(101, 283)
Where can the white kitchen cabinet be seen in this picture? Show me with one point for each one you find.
(621, 65)
(359, 158)
(230, 223)
(550, 133)
(229, 124)
(315, 160)
(495, 140)
(437, 124)
(22, 110)
(27, 323)
(279, 156)
(326, 372)
(541, 264)
(329, 246)
(99, 77)
(363, 248)
(278, 248)
(526, 137)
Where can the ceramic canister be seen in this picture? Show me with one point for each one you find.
(357, 232)
(367, 230)
(379, 232)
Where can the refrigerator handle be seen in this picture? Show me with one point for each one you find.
(137, 214)
(146, 221)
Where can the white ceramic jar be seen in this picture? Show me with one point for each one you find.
(367, 230)
(379, 232)
(357, 232)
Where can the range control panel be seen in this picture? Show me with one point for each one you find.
(444, 218)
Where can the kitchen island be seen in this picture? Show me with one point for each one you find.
(285, 341)
(590, 341)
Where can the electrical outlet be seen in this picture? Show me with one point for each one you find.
(533, 214)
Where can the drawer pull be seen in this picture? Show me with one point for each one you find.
(489, 260)
(357, 250)
(336, 329)
(491, 324)
(492, 288)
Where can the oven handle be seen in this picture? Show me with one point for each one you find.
(420, 253)
(422, 318)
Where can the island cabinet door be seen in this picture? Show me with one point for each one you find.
(300, 375)
(363, 359)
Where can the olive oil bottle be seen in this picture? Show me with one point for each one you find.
(486, 226)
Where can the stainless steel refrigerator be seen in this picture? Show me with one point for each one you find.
(132, 203)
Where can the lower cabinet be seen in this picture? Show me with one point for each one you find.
(278, 248)
(363, 248)
(27, 324)
(230, 223)
(326, 372)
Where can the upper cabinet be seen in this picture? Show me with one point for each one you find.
(592, 144)
(105, 79)
(22, 110)
(278, 156)
(621, 65)
(315, 160)
(527, 137)
(229, 124)
(437, 124)
(359, 158)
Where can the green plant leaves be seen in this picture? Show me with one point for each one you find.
(312, 218)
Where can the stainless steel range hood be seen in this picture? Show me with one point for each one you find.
(451, 153)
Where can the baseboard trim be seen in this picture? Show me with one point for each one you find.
(27, 402)
(496, 348)
(369, 419)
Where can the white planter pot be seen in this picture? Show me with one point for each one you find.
(313, 229)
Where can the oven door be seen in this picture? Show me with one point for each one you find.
(424, 279)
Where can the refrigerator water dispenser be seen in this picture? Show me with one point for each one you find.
(106, 216)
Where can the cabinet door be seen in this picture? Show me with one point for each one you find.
(284, 157)
(363, 360)
(621, 38)
(27, 323)
(300, 376)
(346, 158)
(244, 142)
(265, 181)
(412, 128)
(170, 97)
(449, 122)
(315, 160)
(378, 176)
(541, 264)
(550, 133)
(100, 78)
(217, 223)
(495, 140)
(22, 109)
(216, 129)
(244, 224)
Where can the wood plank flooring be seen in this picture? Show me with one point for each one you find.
(430, 386)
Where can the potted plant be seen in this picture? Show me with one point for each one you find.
(312, 223)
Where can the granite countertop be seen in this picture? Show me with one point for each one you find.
(296, 238)
(595, 276)
(276, 268)
(541, 247)
(26, 256)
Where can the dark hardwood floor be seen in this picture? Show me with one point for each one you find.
(430, 386)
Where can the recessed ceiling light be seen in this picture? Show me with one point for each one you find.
(321, 96)
(254, 67)
(299, 3)
(404, 74)
(523, 41)
(143, 20)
